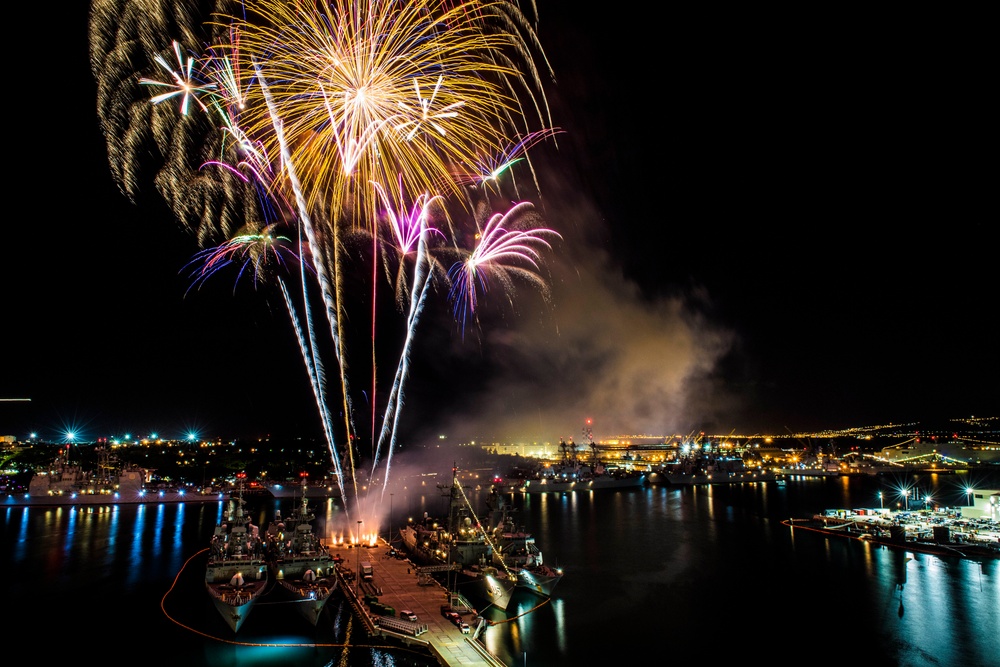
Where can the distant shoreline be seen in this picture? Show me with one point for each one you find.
(23, 500)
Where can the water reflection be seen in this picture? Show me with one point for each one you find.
(674, 566)
(135, 561)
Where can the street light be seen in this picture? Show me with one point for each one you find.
(357, 574)
(390, 519)
(880, 505)
(906, 499)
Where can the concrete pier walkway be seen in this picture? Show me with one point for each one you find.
(395, 582)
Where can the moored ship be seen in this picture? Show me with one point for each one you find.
(516, 553)
(576, 478)
(571, 473)
(237, 571)
(108, 481)
(462, 544)
(300, 562)
(709, 470)
(62, 479)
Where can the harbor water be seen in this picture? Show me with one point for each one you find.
(661, 571)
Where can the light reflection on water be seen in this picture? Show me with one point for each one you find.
(709, 568)
(714, 568)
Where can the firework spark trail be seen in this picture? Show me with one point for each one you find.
(331, 308)
(314, 368)
(184, 83)
(314, 360)
(408, 228)
(425, 116)
(402, 373)
(418, 295)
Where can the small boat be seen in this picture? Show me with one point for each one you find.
(300, 562)
(237, 570)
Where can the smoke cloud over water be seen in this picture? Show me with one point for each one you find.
(597, 349)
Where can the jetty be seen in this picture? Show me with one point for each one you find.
(397, 584)
(942, 532)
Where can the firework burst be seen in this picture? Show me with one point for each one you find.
(310, 109)
(348, 80)
(184, 84)
(501, 254)
(255, 251)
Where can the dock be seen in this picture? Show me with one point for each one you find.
(398, 584)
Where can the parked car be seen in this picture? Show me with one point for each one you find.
(408, 615)
(464, 627)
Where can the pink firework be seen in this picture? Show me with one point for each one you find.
(500, 254)
(407, 226)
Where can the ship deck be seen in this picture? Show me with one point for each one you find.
(397, 584)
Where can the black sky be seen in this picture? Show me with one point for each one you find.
(771, 223)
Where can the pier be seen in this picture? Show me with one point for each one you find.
(398, 584)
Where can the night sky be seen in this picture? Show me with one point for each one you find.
(771, 224)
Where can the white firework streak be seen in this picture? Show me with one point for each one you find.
(183, 84)
(320, 268)
(418, 295)
(314, 366)
(350, 148)
(425, 116)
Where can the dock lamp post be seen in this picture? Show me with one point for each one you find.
(880, 505)
(906, 499)
(357, 574)
(968, 496)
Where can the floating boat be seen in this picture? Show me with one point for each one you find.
(463, 544)
(237, 570)
(300, 562)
